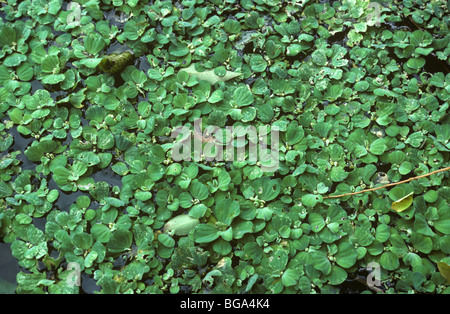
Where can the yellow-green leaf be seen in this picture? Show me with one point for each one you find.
(444, 269)
(403, 203)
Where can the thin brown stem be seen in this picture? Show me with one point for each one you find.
(388, 185)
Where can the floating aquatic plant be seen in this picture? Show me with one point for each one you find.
(91, 189)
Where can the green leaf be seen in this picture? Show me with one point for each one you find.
(198, 211)
(94, 43)
(83, 241)
(443, 223)
(337, 275)
(405, 168)
(378, 146)
(135, 270)
(114, 202)
(422, 243)
(88, 158)
(216, 96)
(319, 57)
(416, 63)
(61, 176)
(431, 196)
(294, 134)
(5, 189)
(338, 174)
(14, 59)
(316, 221)
(290, 277)
(205, 233)
(101, 233)
(361, 86)
(421, 225)
(119, 241)
(382, 232)
(278, 260)
(166, 240)
(179, 49)
(258, 64)
(7, 36)
(157, 154)
(415, 139)
(232, 26)
(50, 64)
(23, 219)
(266, 188)
(222, 247)
(241, 228)
(25, 72)
(198, 190)
(105, 139)
(321, 262)
(346, 256)
(389, 261)
(274, 49)
(243, 96)
(226, 210)
(310, 200)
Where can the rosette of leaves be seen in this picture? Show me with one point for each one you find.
(88, 52)
(100, 91)
(223, 226)
(30, 112)
(52, 64)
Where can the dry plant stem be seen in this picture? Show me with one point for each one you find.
(388, 185)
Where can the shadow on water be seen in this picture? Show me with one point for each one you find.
(65, 199)
(107, 175)
(9, 268)
(36, 85)
(89, 285)
(21, 143)
(143, 64)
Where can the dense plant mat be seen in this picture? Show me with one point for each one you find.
(92, 200)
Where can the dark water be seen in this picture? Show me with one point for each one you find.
(9, 268)
(109, 176)
(21, 143)
(88, 284)
(65, 199)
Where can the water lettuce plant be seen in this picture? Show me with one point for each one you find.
(91, 93)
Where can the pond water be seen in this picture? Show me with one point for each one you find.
(9, 268)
